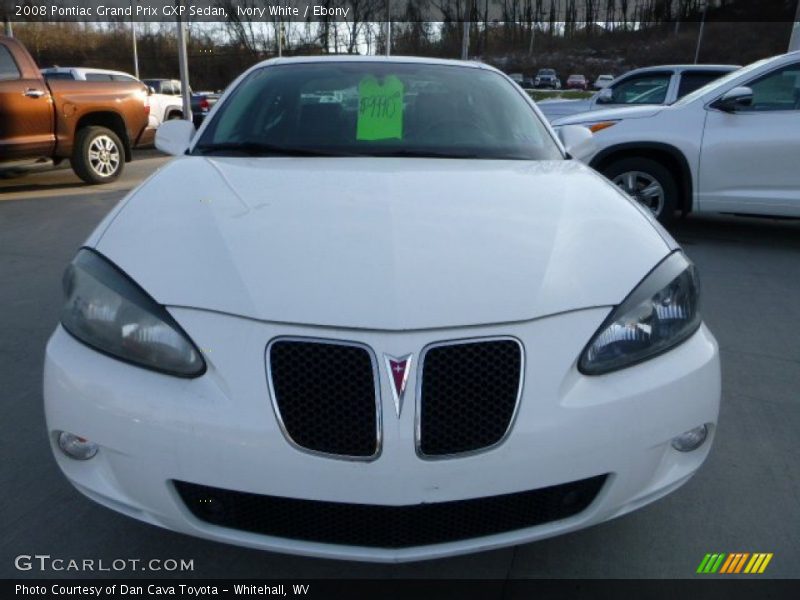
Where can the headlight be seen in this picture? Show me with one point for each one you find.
(107, 311)
(659, 314)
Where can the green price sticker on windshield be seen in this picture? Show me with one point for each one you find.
(380, 109)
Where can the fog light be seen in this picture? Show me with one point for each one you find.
(690, 440)
(76, 447)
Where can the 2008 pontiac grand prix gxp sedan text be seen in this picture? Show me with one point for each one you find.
(374, 311)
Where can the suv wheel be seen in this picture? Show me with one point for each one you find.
(98, 156)
(648, 182)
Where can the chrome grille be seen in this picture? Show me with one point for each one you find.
(468, 395)
(325, 396)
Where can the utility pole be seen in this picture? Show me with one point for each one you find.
(8, 28)
(183, 65)
(794, 41)
(700, 35)
(280, 39)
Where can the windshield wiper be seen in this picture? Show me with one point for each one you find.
(262, 149)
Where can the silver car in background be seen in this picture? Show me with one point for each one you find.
(650, 85)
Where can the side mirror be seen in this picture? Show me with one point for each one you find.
(151, 90)
(174, 137)
(735, 99)
(605, 96)
(578, 140)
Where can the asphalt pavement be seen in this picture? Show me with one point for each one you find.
(746, 498)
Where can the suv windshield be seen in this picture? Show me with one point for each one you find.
(377, 109)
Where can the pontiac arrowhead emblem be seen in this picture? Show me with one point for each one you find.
(398, 369)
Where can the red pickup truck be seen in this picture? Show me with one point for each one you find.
(93, 124)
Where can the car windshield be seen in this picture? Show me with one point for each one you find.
(700, 92)
(377, 109)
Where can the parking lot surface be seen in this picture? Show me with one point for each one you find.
(745, 499)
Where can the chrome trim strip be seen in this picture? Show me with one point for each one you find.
(376, 383)
(418, 396)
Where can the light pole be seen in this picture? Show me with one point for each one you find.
(794, 41)
(135, 51)
(183, 66)
(388, 27)
(700, 35)
(465, 35)
(8, 28)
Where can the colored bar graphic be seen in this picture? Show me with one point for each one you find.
(703, 563)
(765, 563)
(728, 563)
(740, 564)
(717, 564)
(755, 559)
(735, 562)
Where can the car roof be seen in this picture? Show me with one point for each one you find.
(373, 59)
(683, 68)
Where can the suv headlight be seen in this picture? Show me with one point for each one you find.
(107, 311)
(659, 314)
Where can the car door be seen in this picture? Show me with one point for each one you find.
(26, 113)
(750, 159)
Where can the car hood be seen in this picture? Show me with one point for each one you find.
(611, 114)
(381, 243)
(554, 109)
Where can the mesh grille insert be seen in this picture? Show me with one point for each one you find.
(325, 396)
(468, 396)
(387, 526)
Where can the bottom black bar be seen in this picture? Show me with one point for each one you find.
(389, 589)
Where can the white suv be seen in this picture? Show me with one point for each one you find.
(732, 146)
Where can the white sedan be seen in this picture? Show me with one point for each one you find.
(395, 326)
(732, 146)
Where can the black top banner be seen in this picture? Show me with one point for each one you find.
(487, 11)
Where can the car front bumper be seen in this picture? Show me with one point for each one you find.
(220, 430)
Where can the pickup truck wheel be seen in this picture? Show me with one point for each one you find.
(648, 182)
(98, 155)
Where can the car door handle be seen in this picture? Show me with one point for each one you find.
(33, 93)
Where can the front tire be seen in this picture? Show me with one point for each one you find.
(98, 156)
(648, 182)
